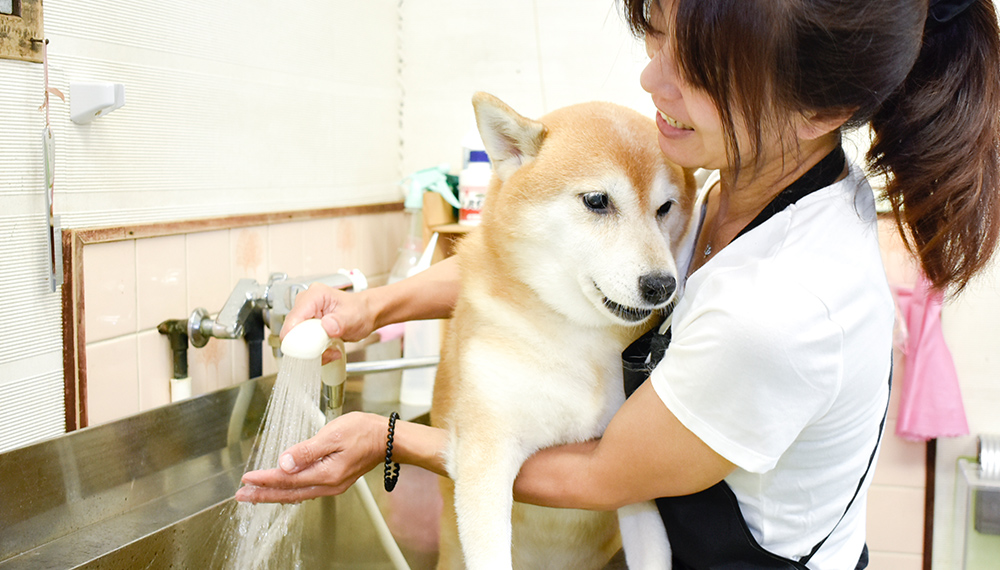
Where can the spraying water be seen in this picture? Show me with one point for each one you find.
(269, 535)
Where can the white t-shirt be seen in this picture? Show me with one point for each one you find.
(779, 361)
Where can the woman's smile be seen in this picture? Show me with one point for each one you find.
(669, 125)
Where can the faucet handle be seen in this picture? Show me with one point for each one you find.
(199, 327)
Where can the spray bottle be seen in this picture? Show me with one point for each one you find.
(420, 338)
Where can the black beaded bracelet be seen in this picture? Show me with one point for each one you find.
(391, 469)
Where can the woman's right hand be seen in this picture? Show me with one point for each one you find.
(344, 315)
(430, 294)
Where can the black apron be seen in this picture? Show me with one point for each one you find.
(707, 530)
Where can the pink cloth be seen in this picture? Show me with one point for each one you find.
(930, 404)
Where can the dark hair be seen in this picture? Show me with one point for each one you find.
(932, 97)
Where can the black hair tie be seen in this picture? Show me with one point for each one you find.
(391, 469)
(943, 11)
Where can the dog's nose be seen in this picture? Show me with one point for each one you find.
(657, 287)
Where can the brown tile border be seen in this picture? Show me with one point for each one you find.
(73, 310)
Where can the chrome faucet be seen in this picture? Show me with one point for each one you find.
(245, 297)
(274, 299)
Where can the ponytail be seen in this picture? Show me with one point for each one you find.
(937, 140)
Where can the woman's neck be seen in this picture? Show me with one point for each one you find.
(737, 202)
(747, 195)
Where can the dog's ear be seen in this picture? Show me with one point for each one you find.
(510, 139)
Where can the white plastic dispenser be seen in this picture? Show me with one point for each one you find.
(308, 340)
(89, 100)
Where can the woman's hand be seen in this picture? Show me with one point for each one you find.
(343, 314)
(326, 464)
(430, 294)
(343, 451)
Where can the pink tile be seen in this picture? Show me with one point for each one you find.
(896, 519)
(109, 289)
(319, 255)
(210, 367)
(285, 248)
(269, 366)
(241, 364)
(377, 243)
(112, 379)
(900, 462)
(898, 369)
(248, 254)
(351, 241)
(894, 561)
(155, 369)
(161, 280)
(209, 278)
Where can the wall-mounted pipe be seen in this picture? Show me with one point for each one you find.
(176, 332)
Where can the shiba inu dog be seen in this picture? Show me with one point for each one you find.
(576, 254)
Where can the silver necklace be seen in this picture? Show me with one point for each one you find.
(708, 250)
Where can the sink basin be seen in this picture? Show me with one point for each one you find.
(155, 491)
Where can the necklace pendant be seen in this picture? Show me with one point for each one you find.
(708, 250)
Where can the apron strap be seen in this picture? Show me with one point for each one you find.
(871, 461)
(642, 356)
(823, 174)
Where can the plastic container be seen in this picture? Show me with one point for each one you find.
(420, 338)
(473, 182)
(381, 387)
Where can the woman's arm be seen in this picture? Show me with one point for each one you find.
(430, 294)
(645, 453)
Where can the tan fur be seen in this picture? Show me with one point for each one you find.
(497, 337)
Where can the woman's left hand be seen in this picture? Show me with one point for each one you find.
(326, 464)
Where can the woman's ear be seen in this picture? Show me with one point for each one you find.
(815, 124)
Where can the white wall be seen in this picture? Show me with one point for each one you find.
(536, 55)
(231, 108)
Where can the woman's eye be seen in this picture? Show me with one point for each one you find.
(597, 201)
(664, 209)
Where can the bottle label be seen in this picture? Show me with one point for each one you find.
(471, 199)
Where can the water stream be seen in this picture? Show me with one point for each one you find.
(269, 535)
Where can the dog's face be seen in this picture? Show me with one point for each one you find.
(587, 209)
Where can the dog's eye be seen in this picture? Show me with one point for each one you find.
(664, 209)
(597, 201)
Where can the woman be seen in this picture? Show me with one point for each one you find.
(758, 430)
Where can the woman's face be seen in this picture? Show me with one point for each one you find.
(690, 127)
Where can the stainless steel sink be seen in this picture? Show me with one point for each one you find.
(155, 491)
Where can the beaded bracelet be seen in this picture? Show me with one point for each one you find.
(391, 469)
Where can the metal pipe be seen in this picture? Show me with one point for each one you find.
(359, 368)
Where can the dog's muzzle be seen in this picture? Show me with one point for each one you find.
(656, 289)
